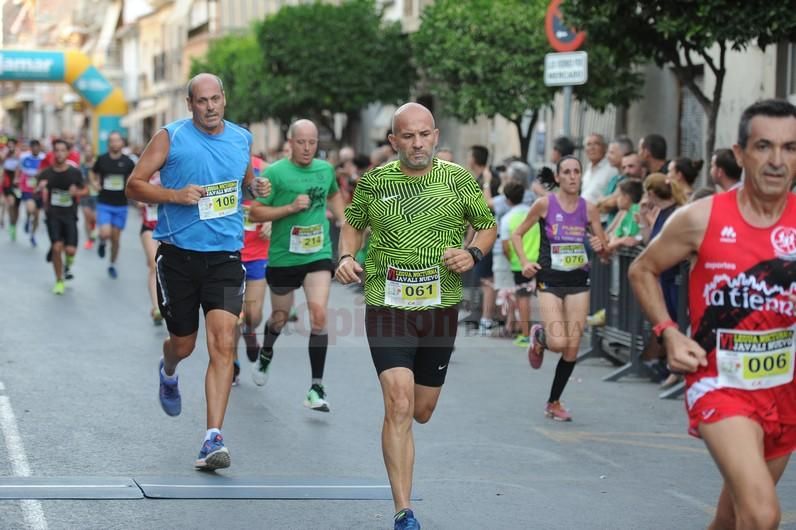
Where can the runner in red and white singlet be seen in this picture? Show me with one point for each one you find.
(741, 395)
(254, 256)
(742, 317)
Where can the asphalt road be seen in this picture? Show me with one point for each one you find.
(78, 383)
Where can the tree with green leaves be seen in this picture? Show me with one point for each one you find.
(681, 34)
(487, 58)
(320, 59)
(237, 60)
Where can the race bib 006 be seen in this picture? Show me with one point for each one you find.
(752, 360)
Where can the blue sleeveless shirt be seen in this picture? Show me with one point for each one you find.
(209, 160)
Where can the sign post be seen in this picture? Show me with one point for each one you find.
(564, 68)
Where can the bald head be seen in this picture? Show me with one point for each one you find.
(303, 138)
(414, 137)
(201, 79)
(410, 112)
(302, 126)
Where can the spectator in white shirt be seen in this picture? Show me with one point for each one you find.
(598, 171)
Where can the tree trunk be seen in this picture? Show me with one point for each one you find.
(713, 112)
(525, 136)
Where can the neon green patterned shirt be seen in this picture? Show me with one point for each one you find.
(413, 221)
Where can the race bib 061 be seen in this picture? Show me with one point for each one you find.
(412, 288)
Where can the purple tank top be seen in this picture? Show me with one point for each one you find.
(564, 227)
(562, 252)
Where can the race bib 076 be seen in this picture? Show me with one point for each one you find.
(568, 256)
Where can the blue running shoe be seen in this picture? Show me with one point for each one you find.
(170, 398)
(213, 454)
(405, 520)
(112, 272)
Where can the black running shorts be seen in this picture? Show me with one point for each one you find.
(419, 340)
(62, 228)
(187, 279)
(283, 280)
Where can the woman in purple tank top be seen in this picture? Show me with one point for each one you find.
(562, 272)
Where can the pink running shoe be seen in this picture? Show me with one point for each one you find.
(556, 411)
(536, 348)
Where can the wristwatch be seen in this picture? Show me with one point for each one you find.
(663, 326)
(476, 253)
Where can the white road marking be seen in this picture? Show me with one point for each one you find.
(31, 509)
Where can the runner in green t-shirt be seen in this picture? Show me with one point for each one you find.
(416, 209)
(301, 251)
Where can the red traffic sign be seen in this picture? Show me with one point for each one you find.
(560, 36)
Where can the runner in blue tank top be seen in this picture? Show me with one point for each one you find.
(562, 273)
(204, 165)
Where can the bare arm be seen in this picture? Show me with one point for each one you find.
(152, 159)
(94, 179)
(261, 213)
(335, 202)
(351, 239)
(608, 204)
(598, 241)
(679, 240)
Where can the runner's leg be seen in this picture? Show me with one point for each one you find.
(398, 446)
(221, 326)
(736, 445)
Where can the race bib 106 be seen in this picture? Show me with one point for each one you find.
(220, 200)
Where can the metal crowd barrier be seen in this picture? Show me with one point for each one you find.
(626, 331)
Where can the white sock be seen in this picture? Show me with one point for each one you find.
(169, 378)
(211, 432)
(316, 381)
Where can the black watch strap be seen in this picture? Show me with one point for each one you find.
(476, 253)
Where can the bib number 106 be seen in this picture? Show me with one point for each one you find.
(224, 201)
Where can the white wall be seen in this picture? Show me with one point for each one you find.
(751, 76)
